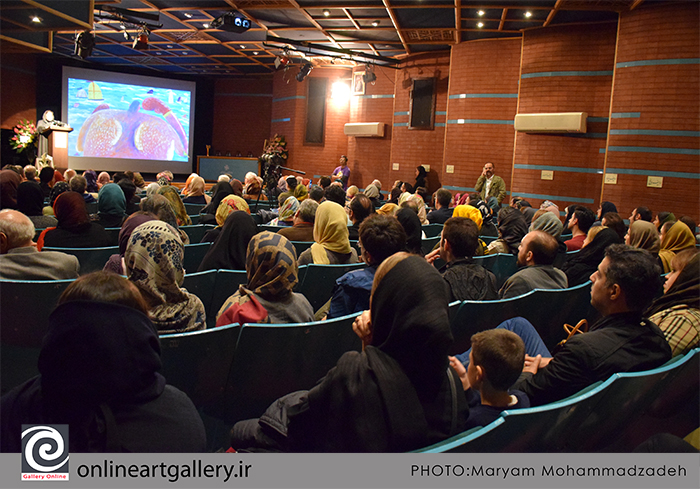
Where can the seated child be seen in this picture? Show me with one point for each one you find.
(495, 362)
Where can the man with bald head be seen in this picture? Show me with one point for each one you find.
(19, 258)
(535, 255)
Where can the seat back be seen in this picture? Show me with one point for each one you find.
(427, 244)
(196, 232)
(91, 207)
(201, 284)
(225, 285)
(194, 254)
(275, 359)
(301, 246)
(25, 307)
(113, 234)
(91, 259)
(432, 230)
(562, 258)
(193, 209)
(319, 280)
(475, 316)
(502, 265)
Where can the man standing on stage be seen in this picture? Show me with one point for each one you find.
(342, 173)
(491, 187)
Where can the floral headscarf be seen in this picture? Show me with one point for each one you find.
(229, 204)
(289, 208)
(330, 232)
(170, 193)
(153, 262)
(57, 190)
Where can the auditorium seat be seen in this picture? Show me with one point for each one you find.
(225, 285)
(113, 234)
(301, 246)
(197, 231)
(316, 282)
(432, 230)
(194, 253)
(272, 360)
(502, 265)
(193, 209)
(201, 284)
(427, 244)
(25, 307)
(91, 259)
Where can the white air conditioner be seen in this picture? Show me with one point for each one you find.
(551, 123)
(365, 129)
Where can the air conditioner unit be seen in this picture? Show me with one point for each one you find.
(365, 129)
(551, 123)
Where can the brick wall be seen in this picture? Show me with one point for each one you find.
(481, 106)
(565, 69)
(242, 115)
(413, 147)
(656, 102)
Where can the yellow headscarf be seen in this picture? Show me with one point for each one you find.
(388, 209)
(330, 232)
(678, 238)
(468, 211)
(229, 204)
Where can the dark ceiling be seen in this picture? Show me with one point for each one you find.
(187, 44)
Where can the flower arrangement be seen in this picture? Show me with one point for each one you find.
(276, 147)
(25, 134)
(43, 161)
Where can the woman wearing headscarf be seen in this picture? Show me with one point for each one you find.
(470, 212)
(511, 230)
(301, 193)
(678, 238)
(421, 176)
(171, 194)
(411, 225)
(74, 228)
(208, 213)
(229, 204)
(580, 267)
(388, 209)
(103, 179)
(644, 235)
(91, 179)
(9, 181)
(163, 210)
(196, 193)
(662, 218)
(677, 312)
(111, 206)
(271, 266)
(30, 202)
(115, 263)
(288, 207)
(253, 189)
(604, 208)
(395, 194)
(398, 394)
(99, 373)
(56, 190)
(372, 194)
(153, 261)
(420, 207)
(186, 189)
(229, 250)
(331, 242)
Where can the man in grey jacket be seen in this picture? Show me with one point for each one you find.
(536, 254)
(19, 258)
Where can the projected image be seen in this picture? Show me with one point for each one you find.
(116, 120)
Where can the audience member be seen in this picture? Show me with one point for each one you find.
(46, 180)
(91, 179)
(74, 228)
(644, 235)
(115, 263)
(580, 267)
(30, 202)
(603, 209)
(614, 221)
(139, 181)
(111, 206)
(99, 373)
(642, 213)
(187, 189)
(623, 340)
(536, 255)
(171, 194)
(268, 297)
(163, 209)
(79, 184)
(678, 238)
(19, 257)
(412, 227)
(229, 204)
(512, 228)
(496, 361)
(196, 193)
(677, 312)
(332, 245)
(442, 211)
(103, 179)
(359, 209)
(324, 182)
(289, 205)
(398, 394)
(56, 190)
(592, 234)
(467, 280)
(662, 218)
(317, 193)
(208, 213)
(229, 250)
(581, 221)
(372, 193)
(380, 237)
(30, 173)
(153, 261)
(129, 190)
(303, 227)
(335, 193)
(388, 209)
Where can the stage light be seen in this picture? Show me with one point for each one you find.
(281, 62)
(141, 40)
(84, 43)
(340, 91)
(304, 71)
(369, 76)
(326, 12)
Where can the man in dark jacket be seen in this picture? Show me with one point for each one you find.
(442, 211)
(622, 341)
(467, 280)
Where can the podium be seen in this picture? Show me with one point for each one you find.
(54, 141)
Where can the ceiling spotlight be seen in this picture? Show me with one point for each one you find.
(481, 13)
(84, 43)
(242, 46)
(205, 25)
(480, 24)
(375, 23)
(122, 27)
(528, 14)
(281, 62)
(141, 40)
(169, 46)
(256, 53)
(36, 19)
(369, 76)
(188, 15)
(126, 36)
(304, 71)
(326, 12)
